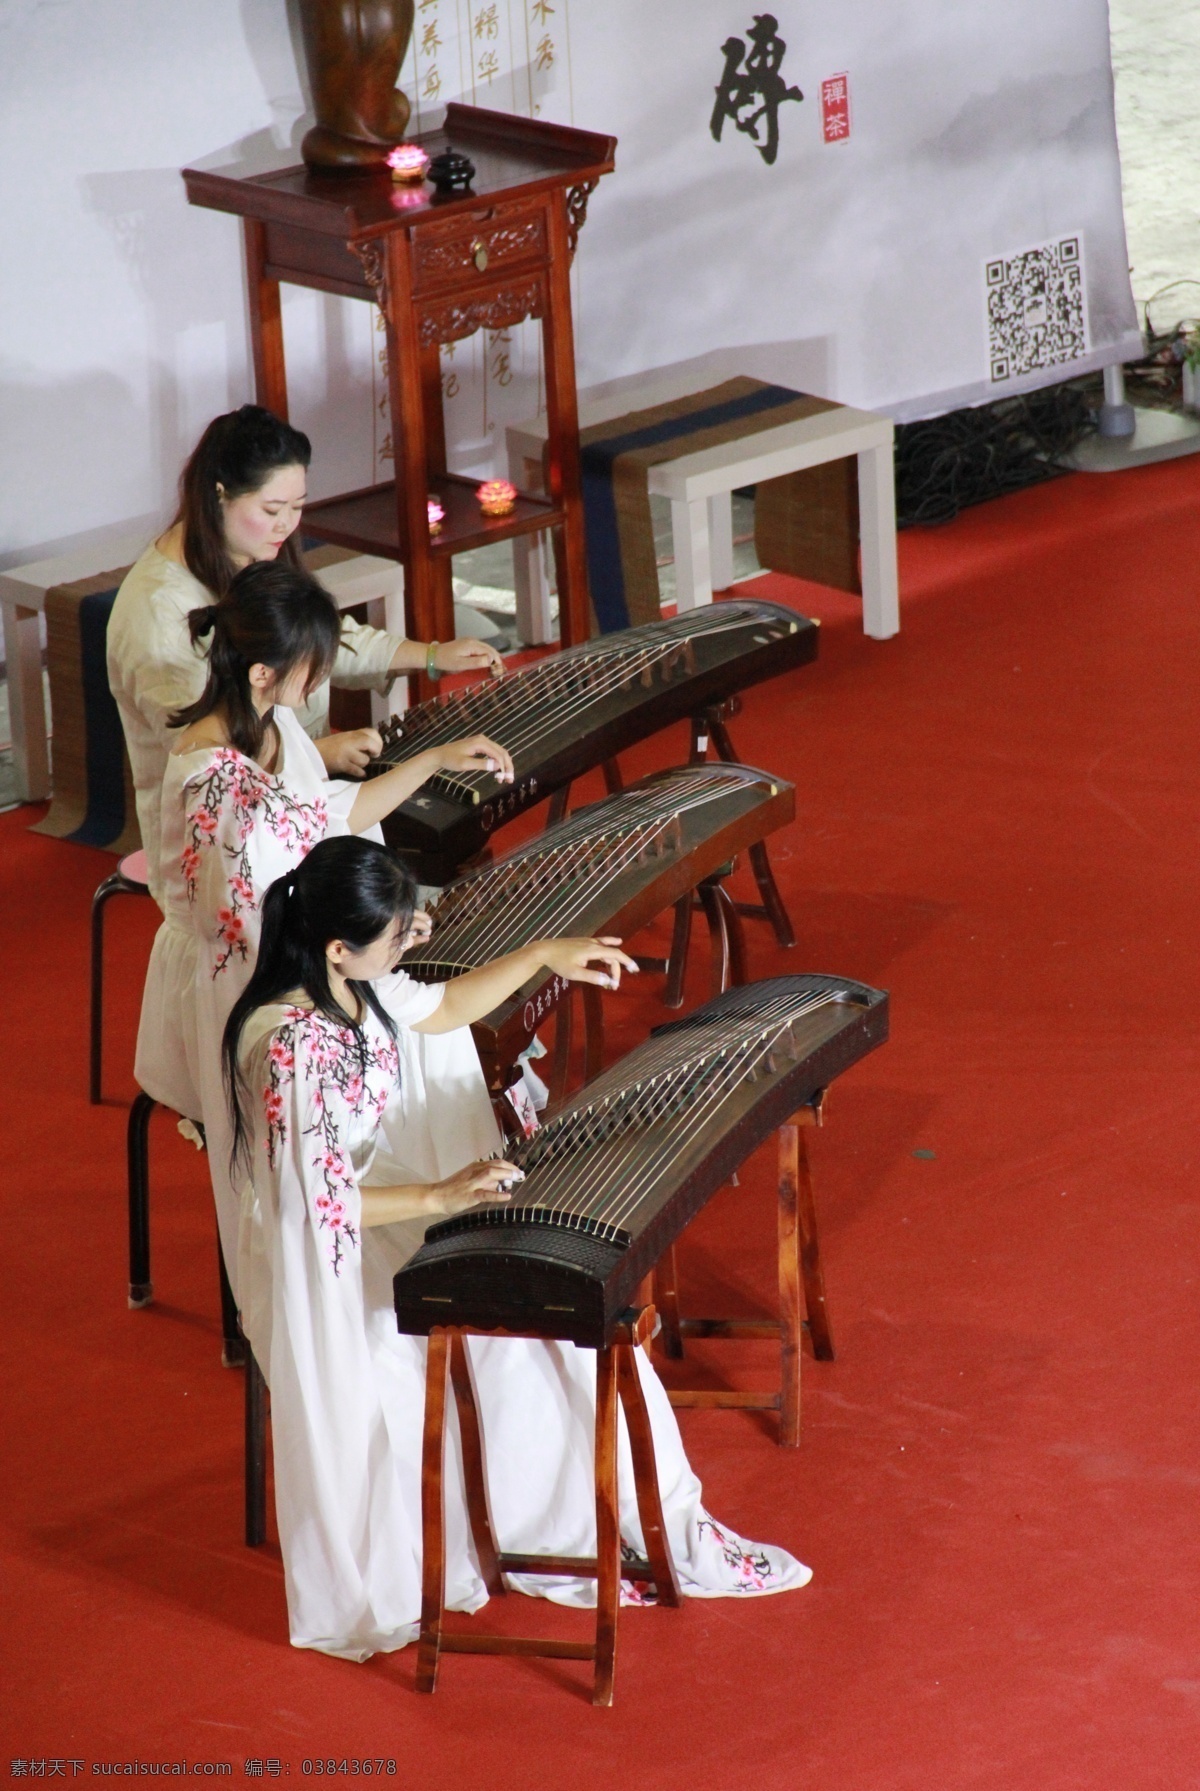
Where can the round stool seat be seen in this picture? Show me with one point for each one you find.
(134, 869)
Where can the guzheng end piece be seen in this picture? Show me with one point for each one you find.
(572, 711)
(616, 1175)
(610, 868)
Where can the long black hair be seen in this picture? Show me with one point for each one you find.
(238, 452)
(347, 888)
(271, 615)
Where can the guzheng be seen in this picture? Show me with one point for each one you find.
(615, 1176)
(573, 710)
(608, 868)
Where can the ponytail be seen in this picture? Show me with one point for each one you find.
(272, 615)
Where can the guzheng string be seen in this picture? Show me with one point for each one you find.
(691, 1075)
(522, 708)
(480, 915)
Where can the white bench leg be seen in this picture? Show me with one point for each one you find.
(877, 526)
(534, 626)
(693, 562)
(26, 702)
(720, 540)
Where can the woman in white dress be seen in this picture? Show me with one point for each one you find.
(348, 1155)
(241, 496)
(245, 796)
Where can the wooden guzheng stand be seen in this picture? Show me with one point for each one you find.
(616, 1378)
(439, 268)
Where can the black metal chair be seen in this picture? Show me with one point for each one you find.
(131, 877)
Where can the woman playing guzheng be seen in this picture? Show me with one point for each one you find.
(349, 1152)
(245, 796)
(241, 497)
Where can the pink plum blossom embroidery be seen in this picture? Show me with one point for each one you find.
(227, 803)
(330, 1055)
(752, 1572)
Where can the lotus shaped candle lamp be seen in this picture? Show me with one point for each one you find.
(496, 497)
(408, 163)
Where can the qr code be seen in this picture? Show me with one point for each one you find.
(1035, 309)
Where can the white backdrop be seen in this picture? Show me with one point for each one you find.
(977, 131)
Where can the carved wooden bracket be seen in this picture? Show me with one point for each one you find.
(577, 204)
(373, 256)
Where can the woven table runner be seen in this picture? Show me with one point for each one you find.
(616, 459)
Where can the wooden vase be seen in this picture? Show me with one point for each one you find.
(354, 49)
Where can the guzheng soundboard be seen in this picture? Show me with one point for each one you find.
(608, 868)
(617, 1174)
(573, 710)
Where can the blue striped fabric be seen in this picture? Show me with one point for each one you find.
(605, 572)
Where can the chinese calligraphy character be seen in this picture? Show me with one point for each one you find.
(541, 9)
(489, 65)
(433, 83)
(545, 54)
(486, 22)
(430, 41)
(752, 94)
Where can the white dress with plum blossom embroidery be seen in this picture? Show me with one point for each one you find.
(347, 1389)
(229, 829)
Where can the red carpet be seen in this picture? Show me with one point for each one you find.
(999, 1481)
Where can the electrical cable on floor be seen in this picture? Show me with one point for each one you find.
(944, 464)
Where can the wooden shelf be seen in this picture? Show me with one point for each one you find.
(366, 519)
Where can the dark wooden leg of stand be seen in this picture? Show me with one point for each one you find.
(137, 1145)
(433, 1521)
(560, 1062)
(760, 863)
(608, 1529)
(558, 805)
(593, 1030)
(474, 1466)
(819, 1330)
(736, 936)
(613, 781)
(666, 1302)
(789, 1287)
(718, 936)
(256, 1453)
(645, 1475)
(233, 1346)
(681, 938)
(777, 914)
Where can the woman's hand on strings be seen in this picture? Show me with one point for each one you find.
(587, 960)
(478, 1184)
(468, 656)
(476, 754)
(349, 754)
(419, 929)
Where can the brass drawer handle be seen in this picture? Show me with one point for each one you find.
(479, 255)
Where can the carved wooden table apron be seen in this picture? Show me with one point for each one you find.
(439, 268)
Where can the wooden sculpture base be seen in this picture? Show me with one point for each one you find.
(799, 1261)
(616, 1376)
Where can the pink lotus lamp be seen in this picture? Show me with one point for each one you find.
(436, 515)
(408, 163)
(496, 497)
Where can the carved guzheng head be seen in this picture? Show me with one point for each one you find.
(608, 868)
(616, 1175)
(572, 710)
